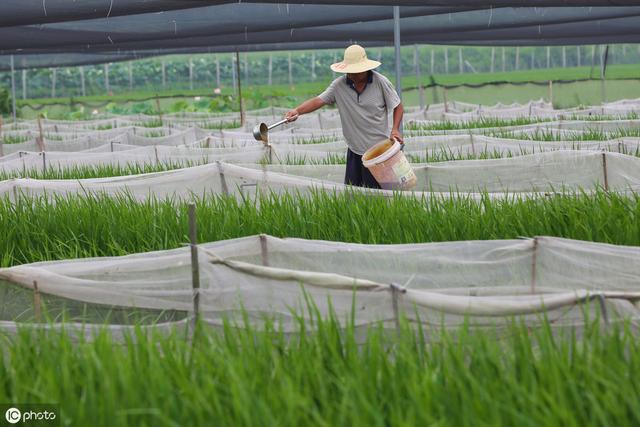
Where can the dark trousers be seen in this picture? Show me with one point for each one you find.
(357, 174)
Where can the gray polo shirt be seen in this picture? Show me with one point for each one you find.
(365, 116)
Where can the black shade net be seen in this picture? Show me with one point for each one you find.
(61, 32)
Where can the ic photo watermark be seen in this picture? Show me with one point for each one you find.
(27, 414)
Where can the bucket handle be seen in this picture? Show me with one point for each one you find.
(401, 143)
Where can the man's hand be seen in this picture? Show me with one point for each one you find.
(292, 115)
(395, 134)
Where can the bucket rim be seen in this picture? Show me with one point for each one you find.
(392, 151)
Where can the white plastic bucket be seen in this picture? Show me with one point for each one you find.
(389, 166)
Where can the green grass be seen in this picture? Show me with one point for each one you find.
(548, 135)
(99, 171)
(247, 376)
(75, 227)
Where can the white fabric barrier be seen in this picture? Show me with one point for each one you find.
(435, 283)
(525, 176)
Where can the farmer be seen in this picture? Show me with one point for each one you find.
(364, 98)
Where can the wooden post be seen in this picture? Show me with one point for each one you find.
(37, 305)
(159, 109)
(444, 96)
(40, 139)
(239, 89)
(195, 272)
(604, 171)
(263, 250)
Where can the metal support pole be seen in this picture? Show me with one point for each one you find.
(493, 59)
(290, 71)
(217, 71)
(195, 272)
(416, 55)
(396, 45)
(190, 74)
(270, 70)
(24, 83)
(239, 89)
(54, 81)
(164, 74)
(130, 75)
(13, 90)
(604, 171)
(83, 90)
(106, 78)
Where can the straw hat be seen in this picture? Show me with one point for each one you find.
(355, 61)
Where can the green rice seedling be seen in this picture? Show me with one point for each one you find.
(14, 139)
(99, 171)
(234, 124)
(327, 374)
(154, 134)
(549, 135)
(57, 227)
(151, 123)
(473, 124)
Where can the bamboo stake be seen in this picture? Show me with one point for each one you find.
(551, 92)
(159, 110)
(40, 139)
(263, 250)
(37, 309)
(195, 273)
(604, 171)
(444, 96)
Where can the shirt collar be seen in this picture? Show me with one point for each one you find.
(352, 84)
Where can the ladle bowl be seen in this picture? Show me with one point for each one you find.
(261, 131)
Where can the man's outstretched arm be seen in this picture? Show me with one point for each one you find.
(308, 106)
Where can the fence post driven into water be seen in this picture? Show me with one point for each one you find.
(195, 271)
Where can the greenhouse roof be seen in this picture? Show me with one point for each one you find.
(37, 32)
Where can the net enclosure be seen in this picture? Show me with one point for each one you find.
(437, 284)
(36, 32)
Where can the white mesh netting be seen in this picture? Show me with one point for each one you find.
(438, 284)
